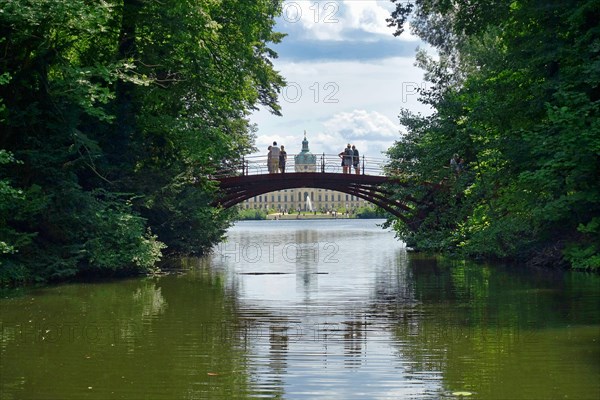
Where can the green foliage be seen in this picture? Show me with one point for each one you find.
(251, 214)
(183, 218)
(369, 212)
(118, 113)
(111, 226)
(10, 200)
(516, 93)
(586, 253)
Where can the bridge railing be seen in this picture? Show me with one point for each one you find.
(325, 163)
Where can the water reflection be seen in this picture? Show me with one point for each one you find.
(319, 303)
(413, 327)
(305, 310)
(154, 338)
(502, 332)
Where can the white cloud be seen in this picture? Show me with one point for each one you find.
(370, 131)
(341, 20)
(338, 101)
(368, 16)
(362, 124)
(319, 20)
(355, 93)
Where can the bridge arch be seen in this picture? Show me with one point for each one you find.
(236, 189)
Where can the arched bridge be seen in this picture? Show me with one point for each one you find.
(252, 178)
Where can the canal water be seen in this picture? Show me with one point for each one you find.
(331, 309)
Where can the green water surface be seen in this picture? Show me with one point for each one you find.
(308, 310)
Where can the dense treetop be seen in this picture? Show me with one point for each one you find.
(515, 89)
(113, 114)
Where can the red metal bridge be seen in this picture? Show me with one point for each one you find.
(251, 178)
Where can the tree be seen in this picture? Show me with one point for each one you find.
(515, 92)
(117, 115)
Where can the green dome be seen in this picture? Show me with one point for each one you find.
(305, 157)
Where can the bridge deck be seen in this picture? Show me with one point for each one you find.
(302, 179)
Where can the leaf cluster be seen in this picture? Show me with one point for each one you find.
(516, 95)
(114, 115)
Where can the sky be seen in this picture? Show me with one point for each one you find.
(347, 78)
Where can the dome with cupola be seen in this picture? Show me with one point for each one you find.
(305, 161)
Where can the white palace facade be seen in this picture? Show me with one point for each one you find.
(293, 200)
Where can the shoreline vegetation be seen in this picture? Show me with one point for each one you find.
(360, 213)
(113, 119)
(507, 167)
(308, 215)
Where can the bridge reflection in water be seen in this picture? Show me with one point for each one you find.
(251, 178)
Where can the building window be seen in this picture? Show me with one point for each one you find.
(339, 197)
(285, 198)
(326, 197)
(346, 197)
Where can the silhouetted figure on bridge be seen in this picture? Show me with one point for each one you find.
(269, 159)
(457, 164)
(274, 159)
(346, 157)
(356, 160)
(282, 159)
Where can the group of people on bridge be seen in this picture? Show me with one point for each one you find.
(350, 159)
(457, 164)
(276, 159)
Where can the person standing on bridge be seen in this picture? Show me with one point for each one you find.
(356, 160)
(282, 159)
(274, 159)
(454, 164)
(346, 157)
(269, 159)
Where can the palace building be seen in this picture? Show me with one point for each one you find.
(303, 199)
